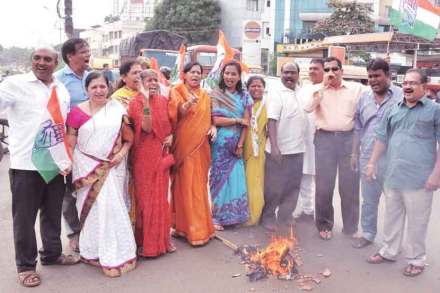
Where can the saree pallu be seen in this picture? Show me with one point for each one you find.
(227, 178)
(124, 95)
(254, 163)
(106, 233)
(151, 167)
(190, 209)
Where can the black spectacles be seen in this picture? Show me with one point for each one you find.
(334, 69)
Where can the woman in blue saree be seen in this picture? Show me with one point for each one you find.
(231, 111)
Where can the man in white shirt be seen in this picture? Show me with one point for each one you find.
(25, 98)
(284, 149)
(305, 208)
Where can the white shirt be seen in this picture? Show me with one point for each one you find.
(25, 99)
(305, 93)
(284, 106)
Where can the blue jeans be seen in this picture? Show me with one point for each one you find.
(371, 192)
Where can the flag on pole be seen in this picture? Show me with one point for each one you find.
(50, 153)
(155, 66)
(415, 17)
(224, 55)
(177, 71)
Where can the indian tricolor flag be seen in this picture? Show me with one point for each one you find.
(50, 153)
(177, 72)
(415, 17)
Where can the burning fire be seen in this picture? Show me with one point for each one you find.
(276, 259)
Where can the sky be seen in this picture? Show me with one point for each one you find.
(33, 23)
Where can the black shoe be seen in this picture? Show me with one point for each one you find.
(303, 217)
(360, 242)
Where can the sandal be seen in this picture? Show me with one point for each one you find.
(377, 258)
(325, 234)
(29, 279)
(112, 272)
(413, 270)
(171, 248)
(128, 267)
(92, 262)
(218, 227)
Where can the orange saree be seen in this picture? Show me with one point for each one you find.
(190, 209)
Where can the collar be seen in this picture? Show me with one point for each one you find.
(423, 101)
(68, 71)
(284, 88)
(31, 77)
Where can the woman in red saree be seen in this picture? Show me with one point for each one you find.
(151, 163)
(190, 112)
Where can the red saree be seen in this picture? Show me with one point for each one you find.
(151, 176)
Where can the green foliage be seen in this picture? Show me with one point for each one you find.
(197, 20)
(348, 18)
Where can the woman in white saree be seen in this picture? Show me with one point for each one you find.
(100, 139)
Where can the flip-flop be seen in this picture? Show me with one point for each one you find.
(29, 279)
(325, 234)
(413, 270)
(377, 258)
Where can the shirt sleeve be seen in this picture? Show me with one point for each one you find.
(7, 97)
(437, 123)
(274, 105)
(382, 128)
(357, 117)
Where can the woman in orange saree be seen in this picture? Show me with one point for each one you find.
(190, 112)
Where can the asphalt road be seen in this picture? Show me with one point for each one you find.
(211, 268)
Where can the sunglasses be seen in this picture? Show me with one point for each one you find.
(334, 69)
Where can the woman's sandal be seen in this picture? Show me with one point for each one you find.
(92, 262)
(29, 279)
(112, 272)
(325, 234)
(377, 258)
(218, 227)
(412, 270)
(128, 267)
(171, 248)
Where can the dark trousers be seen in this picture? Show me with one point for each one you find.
(332, 154)
(70, 212)
(281, 187)
(29, 194)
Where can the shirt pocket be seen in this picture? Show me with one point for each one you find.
(423, 128)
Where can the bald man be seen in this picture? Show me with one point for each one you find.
(284, 149)
(25, 98)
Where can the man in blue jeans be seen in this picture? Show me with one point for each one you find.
(370, 108)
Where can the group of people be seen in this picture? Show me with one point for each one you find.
(235, 155)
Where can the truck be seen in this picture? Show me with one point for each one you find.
(160, 44)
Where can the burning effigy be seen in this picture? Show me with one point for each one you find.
(280, 259)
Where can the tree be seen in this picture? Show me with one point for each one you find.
(197, 20)
(348, 18)
(110, 18)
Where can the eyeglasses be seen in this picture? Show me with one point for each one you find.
(411, 83)
(334, 69)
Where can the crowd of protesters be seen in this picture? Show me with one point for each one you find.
(239, 154)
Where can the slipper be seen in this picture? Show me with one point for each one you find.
(29, 279)
(171, 248)
(92, 262)
(112, 272)
(64, 260)
(325, 234)
(218, 227)
(412, 270)
(377, 258)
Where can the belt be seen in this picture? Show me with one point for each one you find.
(348, 132)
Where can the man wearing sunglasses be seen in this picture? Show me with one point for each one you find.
(334, 104)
